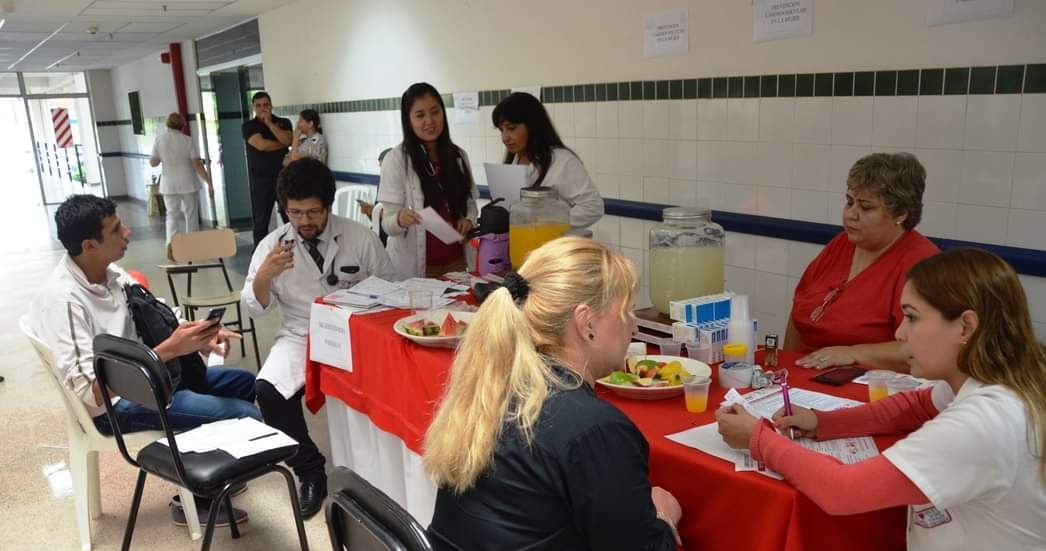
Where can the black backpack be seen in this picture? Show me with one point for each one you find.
(155, 321)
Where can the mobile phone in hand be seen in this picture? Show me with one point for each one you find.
(215, 314)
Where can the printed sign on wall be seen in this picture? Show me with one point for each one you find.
(666, 34)
(946, 12)
(777, 19)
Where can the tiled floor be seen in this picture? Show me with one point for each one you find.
(36, 509)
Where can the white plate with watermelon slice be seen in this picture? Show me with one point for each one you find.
(435, 328)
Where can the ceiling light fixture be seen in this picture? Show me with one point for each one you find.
(2, 21)
(55, 64)
(34, 48)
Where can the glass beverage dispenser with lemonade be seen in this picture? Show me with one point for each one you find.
(686, 256)
(537, 218)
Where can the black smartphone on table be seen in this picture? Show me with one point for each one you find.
(839, 376)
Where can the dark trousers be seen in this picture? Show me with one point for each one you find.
(263, 195)
(287, 415)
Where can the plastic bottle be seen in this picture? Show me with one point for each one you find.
(740, 329)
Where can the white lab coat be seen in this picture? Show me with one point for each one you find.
(976, 462)
(400, 187)
(342, 243)
(176, 152)
(567, 175)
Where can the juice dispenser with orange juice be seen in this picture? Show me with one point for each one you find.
(537, 218)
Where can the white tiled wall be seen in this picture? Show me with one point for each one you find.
(783, 157)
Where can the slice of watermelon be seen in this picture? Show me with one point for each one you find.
(416, 328)
(449, 328)
(430, 329)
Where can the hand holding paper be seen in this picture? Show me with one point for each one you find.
(436, 225)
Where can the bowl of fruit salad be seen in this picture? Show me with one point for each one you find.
(435, 328)
(653, 377)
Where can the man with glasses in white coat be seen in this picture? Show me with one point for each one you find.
(312, 255)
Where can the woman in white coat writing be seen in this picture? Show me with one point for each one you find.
(426, 170)
(530, 139)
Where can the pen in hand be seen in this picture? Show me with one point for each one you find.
(787, 406)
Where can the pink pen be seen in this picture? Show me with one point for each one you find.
(787, 405)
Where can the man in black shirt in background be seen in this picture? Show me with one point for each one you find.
(267, 138)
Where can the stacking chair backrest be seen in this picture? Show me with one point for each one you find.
(345, 204)
(74, 407)
(134, 372)
(361, 517)
(203, 245)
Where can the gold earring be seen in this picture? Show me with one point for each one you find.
(898, 222)
(962, 343)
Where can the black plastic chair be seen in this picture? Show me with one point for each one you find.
(361, 517)
(134, 372)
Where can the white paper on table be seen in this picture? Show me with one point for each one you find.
(706, 438)
(863, 380)
(433, 223)
(766, 401)
(504, 181)
(373, 287)
(401, 299)
(329, 341)
(345, 297)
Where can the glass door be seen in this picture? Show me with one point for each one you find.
(22, 188)
(65, 147)
(231, 111)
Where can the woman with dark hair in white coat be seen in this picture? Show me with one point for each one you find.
(530, 139)
(426, 170)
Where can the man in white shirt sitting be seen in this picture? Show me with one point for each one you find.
(84, 297)
(313, 255)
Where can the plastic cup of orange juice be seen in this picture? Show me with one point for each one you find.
(878, 387)
(695, 390)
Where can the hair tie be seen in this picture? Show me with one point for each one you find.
(517, 286)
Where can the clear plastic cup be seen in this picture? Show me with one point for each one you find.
(671, 348)
(877, 384)
(420, 300)
(901, 383)
(695, 391)
(636, 349)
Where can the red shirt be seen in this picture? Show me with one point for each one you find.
(864, 310)
(438, 253)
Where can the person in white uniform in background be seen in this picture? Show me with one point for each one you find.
(530, 139)
(426, 170)
(180, 158)
(314, 254)
(972, 471)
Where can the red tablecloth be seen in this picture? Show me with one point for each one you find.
(397, 384)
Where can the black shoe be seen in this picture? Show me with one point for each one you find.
(310, 499)
(221, 521)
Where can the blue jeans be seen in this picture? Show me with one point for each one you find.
(231, 396)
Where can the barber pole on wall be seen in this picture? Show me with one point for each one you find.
(63, 133)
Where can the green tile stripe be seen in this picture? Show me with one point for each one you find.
(1002, 79)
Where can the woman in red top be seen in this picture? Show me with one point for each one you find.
(847, 305)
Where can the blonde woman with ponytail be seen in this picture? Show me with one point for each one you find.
(525, 455)
(972, 469)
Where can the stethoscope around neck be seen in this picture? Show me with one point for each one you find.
(332, 278)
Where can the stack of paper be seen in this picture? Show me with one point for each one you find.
(237, 437)
(707, 439)
(764, 403)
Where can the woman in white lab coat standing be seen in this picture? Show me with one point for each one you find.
(530, 139)
(426, 170)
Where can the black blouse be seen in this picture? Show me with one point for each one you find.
(582, 484)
